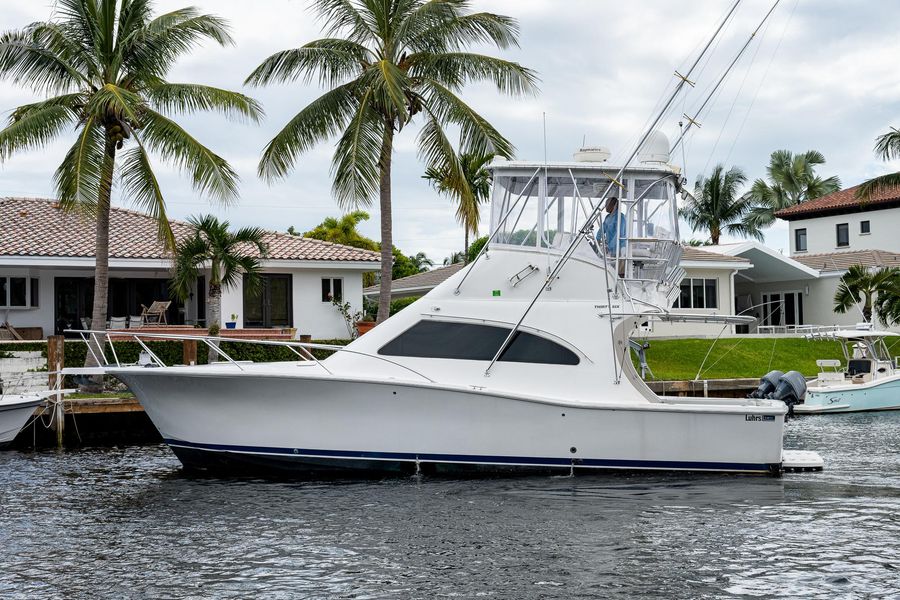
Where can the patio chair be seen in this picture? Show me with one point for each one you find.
(135, 321)
(117, 322)
(155, 313)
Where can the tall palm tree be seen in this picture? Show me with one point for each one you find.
(384, 63)
(102, 65)
(230, 256)
(791, 180)
(888, 147)
(860, 285)
(475, 189)
(717, 206)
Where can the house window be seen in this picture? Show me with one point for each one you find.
(698, 293)
(271, 305)
(800, 240)
(469, 341)
(332, 287)
(864, 228)
(14, 292)
(843, 235)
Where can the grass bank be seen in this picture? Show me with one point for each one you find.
(737, 357)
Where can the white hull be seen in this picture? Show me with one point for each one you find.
(15, 411)
(306, 423)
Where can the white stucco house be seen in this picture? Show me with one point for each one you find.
(47, 268)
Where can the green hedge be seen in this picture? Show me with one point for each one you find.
(401, 303)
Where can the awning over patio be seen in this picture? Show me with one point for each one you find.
(768, 265)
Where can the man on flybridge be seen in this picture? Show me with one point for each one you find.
(607, 233)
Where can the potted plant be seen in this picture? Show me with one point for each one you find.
(232, 324)
(364, 324)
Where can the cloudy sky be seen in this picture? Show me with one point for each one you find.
(823, 75)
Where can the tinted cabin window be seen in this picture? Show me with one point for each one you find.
(465, 341)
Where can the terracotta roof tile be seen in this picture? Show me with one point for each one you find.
(38, 227)
(838, 202)
(841, 261)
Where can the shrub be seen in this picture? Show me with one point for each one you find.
(401, 303)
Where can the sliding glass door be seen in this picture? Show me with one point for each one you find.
(271, 305)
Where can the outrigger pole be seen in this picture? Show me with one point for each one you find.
(589, 223)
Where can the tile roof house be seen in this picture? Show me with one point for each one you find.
(47, 260)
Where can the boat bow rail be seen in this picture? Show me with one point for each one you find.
(96, 341)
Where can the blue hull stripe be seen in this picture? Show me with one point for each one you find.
(478, 459)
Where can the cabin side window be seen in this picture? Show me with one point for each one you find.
(468, 341)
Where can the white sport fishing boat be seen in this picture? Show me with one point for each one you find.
(514, 363)
(869, 381)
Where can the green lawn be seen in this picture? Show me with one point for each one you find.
(737, 357)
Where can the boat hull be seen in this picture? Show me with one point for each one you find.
(264, 423)
(856, 398)
(14, 414)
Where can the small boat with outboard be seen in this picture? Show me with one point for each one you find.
(868, 379)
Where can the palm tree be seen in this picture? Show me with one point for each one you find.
(421, 262)
(860, 285)
(384, 63)
(102, 65)
(792, 180)
(230, 257)
(717, 207)
(475, 188)
(455, 258)
(888, 147)
(343, 231)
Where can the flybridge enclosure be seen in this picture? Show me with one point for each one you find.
(544, 206)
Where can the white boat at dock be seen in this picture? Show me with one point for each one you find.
(520, 361)
(15, 412)
(869, 379)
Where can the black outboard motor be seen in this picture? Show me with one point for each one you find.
(767, 385)
(791, 390)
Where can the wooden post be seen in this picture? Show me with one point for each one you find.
(55, 356)
(55, 363)
(190, 352)
(305, 338)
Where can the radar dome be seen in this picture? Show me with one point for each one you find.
(655, 149)
(592, 154)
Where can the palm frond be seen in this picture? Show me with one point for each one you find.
(333, 60)
(878, 185)
(888, 145)
(357, 157)
(77, 180)
(320, 120)
(467, 30)
(34, 128)
(457, 69)
(140, 186)
(477, 135)
(210, 173)
(26, 61)
(190, 97)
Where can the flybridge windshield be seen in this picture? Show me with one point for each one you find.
(545, 208)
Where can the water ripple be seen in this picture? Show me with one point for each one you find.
(126, 523)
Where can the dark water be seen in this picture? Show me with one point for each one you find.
(114, 523)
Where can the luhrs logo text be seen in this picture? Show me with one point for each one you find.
(759, 417)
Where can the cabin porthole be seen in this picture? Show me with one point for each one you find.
(573, 449)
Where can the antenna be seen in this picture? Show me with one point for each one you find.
(545, 139)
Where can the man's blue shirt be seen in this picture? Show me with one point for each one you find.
(608, 231)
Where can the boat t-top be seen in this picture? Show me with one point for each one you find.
(868, 378)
